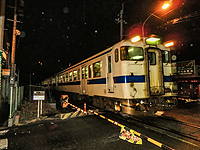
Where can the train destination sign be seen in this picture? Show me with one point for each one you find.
(185, 67)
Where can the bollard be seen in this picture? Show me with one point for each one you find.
(85, 108)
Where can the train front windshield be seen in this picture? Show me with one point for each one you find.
(131, 53)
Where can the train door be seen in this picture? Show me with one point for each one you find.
(110, 82)
(83, 82)
(155, 72)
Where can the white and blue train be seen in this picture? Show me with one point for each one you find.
(132, 75)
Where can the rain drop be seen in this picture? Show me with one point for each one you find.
(65, 10)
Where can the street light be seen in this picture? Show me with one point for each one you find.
(165, 6)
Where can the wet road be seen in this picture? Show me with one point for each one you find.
(92, 132)
(85, 133)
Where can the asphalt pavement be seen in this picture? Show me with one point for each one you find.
(85, 133)
(81, 133)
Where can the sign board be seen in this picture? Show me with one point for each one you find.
(185, 67)
(6, 72)
(39, 95)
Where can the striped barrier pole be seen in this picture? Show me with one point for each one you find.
(135, 132)
(85, 108)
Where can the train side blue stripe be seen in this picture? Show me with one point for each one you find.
(97, 81)
(71, 83)
(119, 79)
(129, 79)
(168, 79)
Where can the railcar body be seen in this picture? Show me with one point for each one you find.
(130, 76)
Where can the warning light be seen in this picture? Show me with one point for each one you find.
(135, 39)
(168, 44)
(153, 41)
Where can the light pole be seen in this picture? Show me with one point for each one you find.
(165, 6)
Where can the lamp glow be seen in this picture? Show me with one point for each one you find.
(165, 6)
(153, 41)
(135, 39)
(168, 44)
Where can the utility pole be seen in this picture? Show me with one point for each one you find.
(12, 72)
(121, 21)
(2, 20)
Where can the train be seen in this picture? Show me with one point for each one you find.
(134, 75)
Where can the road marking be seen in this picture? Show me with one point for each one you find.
(3, 132)
(4, 143)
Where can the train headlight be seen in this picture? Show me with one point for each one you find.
(135, 39)
(169, 44)
(153, 41)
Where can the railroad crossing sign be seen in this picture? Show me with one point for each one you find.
(39, 95)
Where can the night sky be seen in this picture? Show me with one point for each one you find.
(60, 32)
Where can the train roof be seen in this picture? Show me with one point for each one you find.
(124, 42)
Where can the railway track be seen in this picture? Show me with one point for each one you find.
(182, 131)
(179, 130)
(182, 122)
(172, 130)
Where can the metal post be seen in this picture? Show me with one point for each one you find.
(2, 20)
(38, 112)
(152, 14)
(40, 107)
(12, 75)
(17, 96)
(121, 22)
(30, 89)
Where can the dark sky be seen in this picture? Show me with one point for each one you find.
(59, 32)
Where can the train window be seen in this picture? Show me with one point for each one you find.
(60, 79)
(109, 64)
(78, 74)
(66, 80)
(198, 71)
(131, 53)
(63, 78)
(54, 80)
(97, 69)
(75, 74)
(70, 76)
(83, 73)
(165, 56)
(86, 72)
(116, 55)
(152, 58)
(90, 71)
